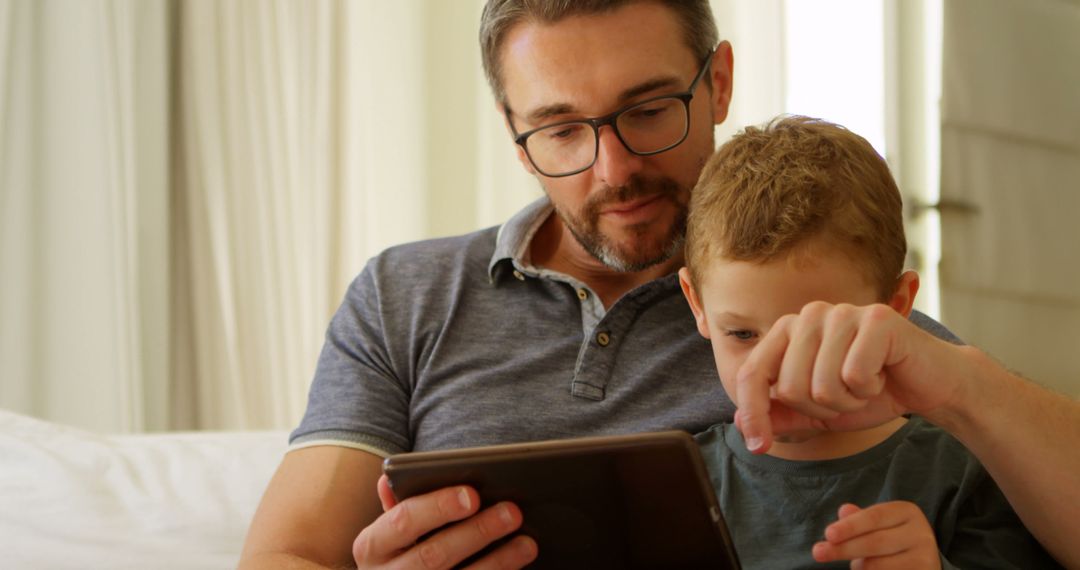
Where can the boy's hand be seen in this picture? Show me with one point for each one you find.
(839, 368)
(886, 535)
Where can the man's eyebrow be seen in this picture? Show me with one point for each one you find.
(547, 111)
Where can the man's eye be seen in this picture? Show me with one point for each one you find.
(741, 334)
(564, 133)
(648, 112)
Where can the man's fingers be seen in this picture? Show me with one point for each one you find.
(516, 553)
(863, 370)
(386, 496)
(400, 527)
(794, 384)
(828, 387)
(752, 383)
(452, 545)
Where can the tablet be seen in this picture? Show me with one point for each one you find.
(629, 501)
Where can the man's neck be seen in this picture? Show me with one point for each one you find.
(554, 247)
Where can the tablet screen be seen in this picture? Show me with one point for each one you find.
(633, 501)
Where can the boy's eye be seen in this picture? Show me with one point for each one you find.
(741, 334)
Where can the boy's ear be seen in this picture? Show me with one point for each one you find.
(521, 156)
(903, 299)
(695, 304)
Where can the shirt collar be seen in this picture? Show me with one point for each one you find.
(512, 241)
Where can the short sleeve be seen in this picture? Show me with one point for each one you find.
(357, 399)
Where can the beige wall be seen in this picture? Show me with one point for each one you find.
(1011, 163)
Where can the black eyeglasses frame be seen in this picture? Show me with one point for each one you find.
(610, 120)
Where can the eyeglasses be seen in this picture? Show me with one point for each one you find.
(645, 128)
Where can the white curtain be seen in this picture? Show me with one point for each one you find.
(303, 149)
(82, 193)
(188, 187)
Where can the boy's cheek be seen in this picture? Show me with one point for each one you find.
(727, 364)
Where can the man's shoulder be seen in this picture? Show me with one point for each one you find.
(438, 257)
(442, 249)
(928, 324)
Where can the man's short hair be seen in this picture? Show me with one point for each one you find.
(695, 17)
(770, 189)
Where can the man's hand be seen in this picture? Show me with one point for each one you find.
(391, 541)
(840, 367)
(886, 535)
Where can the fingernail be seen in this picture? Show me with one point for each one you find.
(504, 515)
(754, 443)
(463, 498)
(527, 548)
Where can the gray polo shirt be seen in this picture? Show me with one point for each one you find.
(461, 342)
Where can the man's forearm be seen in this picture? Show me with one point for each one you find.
(1026, 436)
(280, 561)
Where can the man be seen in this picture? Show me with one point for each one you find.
(560, 323)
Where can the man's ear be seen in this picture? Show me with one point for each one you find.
(695, 304)
(523, 158)
(903, 299)
(721, 75)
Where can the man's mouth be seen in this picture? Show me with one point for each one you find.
(631, 207)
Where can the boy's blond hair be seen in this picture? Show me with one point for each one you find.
(768, 190)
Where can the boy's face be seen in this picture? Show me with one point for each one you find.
(737, 302)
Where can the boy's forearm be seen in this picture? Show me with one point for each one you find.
(1025, 436)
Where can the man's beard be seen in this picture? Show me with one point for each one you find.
(585, 227)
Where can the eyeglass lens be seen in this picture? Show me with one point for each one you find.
(646, 128)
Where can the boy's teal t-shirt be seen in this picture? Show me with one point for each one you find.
(776, 509)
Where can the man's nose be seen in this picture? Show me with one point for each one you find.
(615, 164)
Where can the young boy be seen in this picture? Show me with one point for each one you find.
(784, 219)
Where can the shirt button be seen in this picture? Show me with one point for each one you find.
(603, 339)
(582, 294)
(519, 275)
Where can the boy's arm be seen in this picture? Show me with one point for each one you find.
(1023, 434)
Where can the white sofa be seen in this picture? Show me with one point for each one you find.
(74, 499)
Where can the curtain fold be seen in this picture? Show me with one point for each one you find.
(78, 189)
(294, 163)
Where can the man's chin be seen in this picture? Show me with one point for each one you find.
(632, 256)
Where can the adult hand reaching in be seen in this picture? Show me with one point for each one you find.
(841, 367)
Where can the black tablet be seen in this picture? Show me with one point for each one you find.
(629, 501)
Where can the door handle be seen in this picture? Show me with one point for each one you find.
(917, 207)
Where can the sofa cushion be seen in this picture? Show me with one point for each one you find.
(74, 499)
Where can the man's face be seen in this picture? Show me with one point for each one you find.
(737, 302)
(628, 211)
